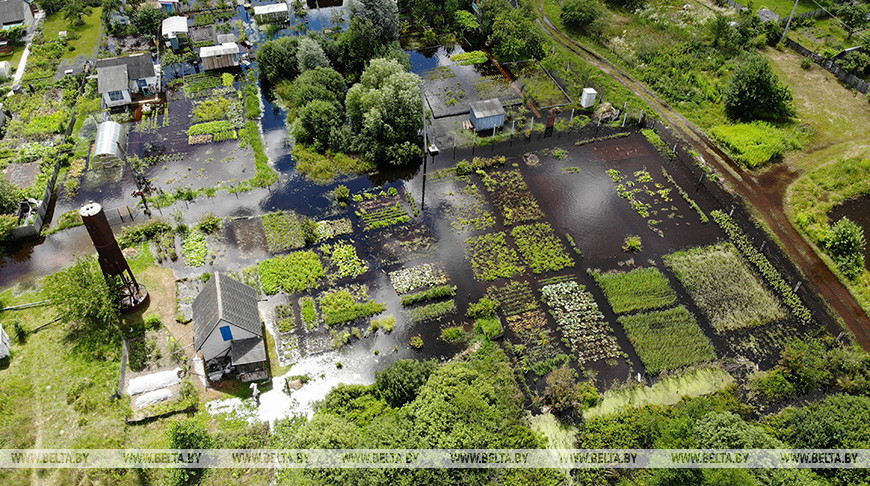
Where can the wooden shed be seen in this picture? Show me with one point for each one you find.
(223, 56)
(487, 114)
(276, 12)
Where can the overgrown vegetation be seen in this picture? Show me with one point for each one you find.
(667, 340)
(639, 289)
(541, 248)
(292, 273)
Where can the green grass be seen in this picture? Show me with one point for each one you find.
(783, 7)
(666, 392)
(538, 84)
(724, 288)
(346, 305)
(295, 272)
(283, 231)
(639, 289)
(432, 311)
(667, 340)
(13, 57)
(758, 143)
(434, 293)
(541, 248)
(323, 168)
(89, 33)
(491, 258)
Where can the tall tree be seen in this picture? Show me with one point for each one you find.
(853, 15)
(314, 124)
(310, 55)
(74, 11)
(383, 14)
(277, 59)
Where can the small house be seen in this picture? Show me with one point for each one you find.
(487, 114)
(275, 12)
(172, 7)
(175, 32)
(588, 98)
(4, 343)
(119, 78)
(110, 146)
(227, 329)
(15, 13)
(222, 56)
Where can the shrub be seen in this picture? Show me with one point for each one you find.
(342, 195)
(846, 245)
(453, 335)
(581, 13)
(485, 307)
(632, 244)
(772, 385)
(563, 392)
(399, 383)
(416, 342)
(434, 293)
(755, 93)
(488, 326)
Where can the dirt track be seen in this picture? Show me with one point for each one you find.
(765, 192)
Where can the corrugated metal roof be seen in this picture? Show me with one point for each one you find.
(246, 351)
(109, 135)
(226, 38)
(221, 50)
(173, 26)
(224, 298)
(486, 108)
(271, 8)
(112, 78)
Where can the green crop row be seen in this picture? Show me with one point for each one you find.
(434, 293)
(639, 289)
(667, 340)
(432, 311)
(686, 196)
(763, 265)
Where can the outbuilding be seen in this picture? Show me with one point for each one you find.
(15, 13)
(487, 114)
(111, 144)
(222, 56)
(275, 12)
(175, 32)
(228, 331)
(4, 343)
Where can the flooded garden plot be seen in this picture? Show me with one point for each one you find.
(452, 80)
(535, 81)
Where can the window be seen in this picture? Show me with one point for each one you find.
(227, 333)
(141, 83)
(116, 95)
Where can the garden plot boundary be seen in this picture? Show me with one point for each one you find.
(683, 157)
(519, 81)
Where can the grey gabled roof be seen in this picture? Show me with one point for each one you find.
(224, 298)
(12, 11)
(138, 65)
(246, 351)
(485, 108)
(112, 78)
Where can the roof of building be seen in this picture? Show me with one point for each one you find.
(223, 49)
(112, 78)
(766, 15)
(12, 11)
(174, 25)
(109, 135)
(271, 8)
(202, 33)
(487, 108)
(224, 298)
(246, 351)
(225, 38)
(138, 65)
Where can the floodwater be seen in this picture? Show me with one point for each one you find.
(575, 192)
(858, 210)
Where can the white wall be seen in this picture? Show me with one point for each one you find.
(111, 104)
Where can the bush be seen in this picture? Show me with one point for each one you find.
(453, 335)
(399, 383)
(342, 195)
(846, 245)
(581, 13)
(755, 93)
(772, 385)
(632, 244)
(485, 307)
(488, 326)
(806, 63)
(563, 392)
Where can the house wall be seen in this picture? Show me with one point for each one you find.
(151, 82)
(225, 61)
(111, 104)
(487, 123)
(215, 345)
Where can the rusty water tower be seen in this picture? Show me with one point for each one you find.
(112, 261)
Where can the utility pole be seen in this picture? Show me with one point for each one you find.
(788, 23)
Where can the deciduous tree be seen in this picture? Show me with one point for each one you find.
(846, 245)
(755, 93)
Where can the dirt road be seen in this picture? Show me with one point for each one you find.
(765, 192)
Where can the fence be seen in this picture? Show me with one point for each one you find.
(831, 66)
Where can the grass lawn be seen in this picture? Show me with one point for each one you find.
(639, 289)
(666, 392)
(783, 7)
(667, 340)
(88, 34)
(723, 286)
(825, 34)
(13, 57)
